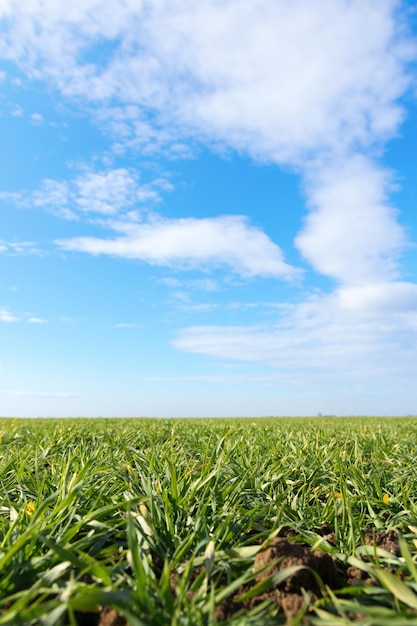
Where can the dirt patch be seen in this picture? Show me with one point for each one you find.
(110, 617)
(326, 531)
(387, 540)
(296, 554)
(106, 617)
(289, 595)
(355, 575)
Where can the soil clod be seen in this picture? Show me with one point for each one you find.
(288, 596)
(110, 617)
(387, 540)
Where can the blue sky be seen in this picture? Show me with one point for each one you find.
(208, 209)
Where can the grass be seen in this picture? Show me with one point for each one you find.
(162, 519)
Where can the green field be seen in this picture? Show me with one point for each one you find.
(192, 522)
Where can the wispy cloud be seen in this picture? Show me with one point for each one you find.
(107, 192)
(127, 325)
(200, 284)
(19, 248)
(37, 119)
(358, 331)
(255, 305)
(114, 190)
(189, 243)
(186, 303)
(7, 316)
(132, 131)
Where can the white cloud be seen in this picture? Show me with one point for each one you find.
(107, 192)
(53, 197)
(199, 307)
(2, 76)
(255, 305)
(14, 248)
(6, 316)
(37, 119)
(184, 301)
(351, 233)
(385, 297)
(201, 284)
(354, 332)
(127, 325)
(276, 79)
(191, 243)
(132, 131)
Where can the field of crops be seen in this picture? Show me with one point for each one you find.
(197, 522)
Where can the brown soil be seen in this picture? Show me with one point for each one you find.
(386, 540)
(110, 617)
(327, 532)
(106, 617)
(290, 596)
(291, 554)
